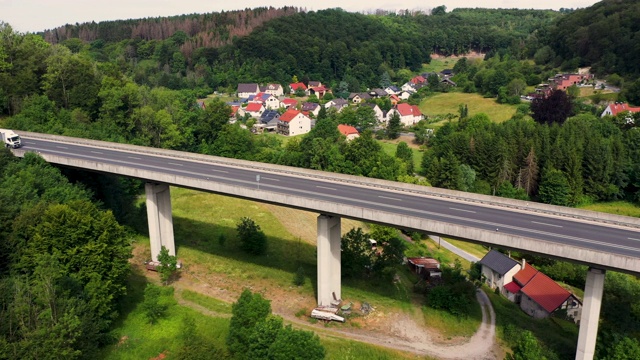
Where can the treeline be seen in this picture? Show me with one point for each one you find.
(209, 30)
(586, 159)
(63, 264)
(604, 36)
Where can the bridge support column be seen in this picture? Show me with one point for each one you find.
(590, 314)
(160, 219)
(329, 265)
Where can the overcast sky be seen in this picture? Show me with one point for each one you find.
(38, 15)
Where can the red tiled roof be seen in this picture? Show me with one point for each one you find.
(318, 88)
(418, 79)
(525, 275)
(253, 107)
(416, 110)
(290, 101)
(289, 115)
(347, 130)
(618, 108)
(234, 109)
(545, 292)
(297, 85)
(405, 109)
(512, 287)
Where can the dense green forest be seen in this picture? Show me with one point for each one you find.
(605, 36)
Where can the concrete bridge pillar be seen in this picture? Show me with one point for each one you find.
(160, 219)
(590, 314)
(329, 265)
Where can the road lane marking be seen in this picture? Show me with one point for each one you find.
(469, 211)
(268, 178)
(174, 164)
(324, 187)
(62, 147)
(390, 198)
(96, 152)
(29, 142)
(633, 239)
(134, 158)
(396, 207)
(541, 223)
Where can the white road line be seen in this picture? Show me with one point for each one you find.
(62, 147)
(28, 142)
(134, 158)
(324, 187)
(222, 171)
(633, 239)
(268, 178)
(96, 152)
(469, 211)
(174, 164)
(390, 198)
(541, 223)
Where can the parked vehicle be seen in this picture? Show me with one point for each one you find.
(10, 139)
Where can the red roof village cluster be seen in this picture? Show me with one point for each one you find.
(266, 104)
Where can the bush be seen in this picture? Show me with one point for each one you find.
(298, 279)
(156, 302)
(252, 239)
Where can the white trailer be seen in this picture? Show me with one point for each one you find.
(10, 139)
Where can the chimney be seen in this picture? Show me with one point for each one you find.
(524, 263)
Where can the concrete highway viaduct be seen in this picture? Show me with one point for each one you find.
(601, 241)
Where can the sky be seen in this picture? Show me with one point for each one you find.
(38, 15)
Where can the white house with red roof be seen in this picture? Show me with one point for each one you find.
(293, 122)
(409, 114)
(289, 103)
(269, 101)
(274, 89)
(299, 85)
(348, 131)
(540, 296)
(254, 109)
(616, 108)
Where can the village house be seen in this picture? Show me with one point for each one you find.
(318, 91)
(311, 108)
(408, 87)
(498, 269)
(539, 296)
(425, 267)
(293, 122)
(348, 131)
(358, 98)
(376, 109)
(273, 89)
(392, 90)
(289, 103)
(616, 108)
(254, 109)
(377, 93)
(269, 101)
(299, 85)
(337, 104)
(268, 121)
(246, 90)
(419, 79)
(409, 114)
(405, 95)
(564, 81)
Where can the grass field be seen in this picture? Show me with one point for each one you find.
(437, 65)
(447, 103)
(615, 207)
(390, 148)
(476, 250)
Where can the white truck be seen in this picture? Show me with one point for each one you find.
(10, 139)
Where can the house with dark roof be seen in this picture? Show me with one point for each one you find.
(498, 269)
(392, 90)
(274, 89)
(357, 98)
(337, 104)
(377, 93)
(269, 120)
(311, 108)
(246, 90)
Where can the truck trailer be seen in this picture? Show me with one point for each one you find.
(10, 139)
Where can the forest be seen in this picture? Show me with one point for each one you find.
(138, 81)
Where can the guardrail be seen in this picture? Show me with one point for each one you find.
(484, 200)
